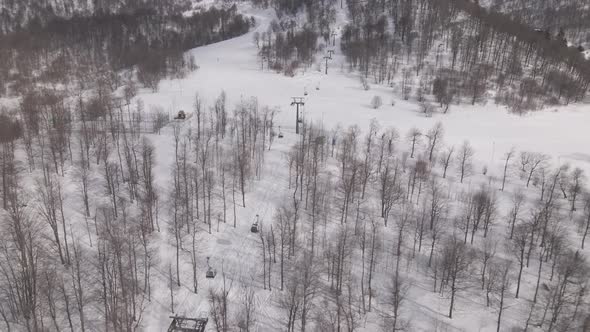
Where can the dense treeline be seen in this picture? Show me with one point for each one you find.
(90, 263)
(102, 45)
(287, 45)
(15, 15)
(486, 50)
(286, 50)
(570, 16)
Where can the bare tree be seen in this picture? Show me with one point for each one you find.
(194, 257)
(21, 252)
(263, 246)
(530, 163)
(390, 190)
(565, 294)
(83, 176)
(49, 208)
(247, 314)
(398, 291)
(367, 167)
(219, 305)
(575, 186)
(485, 255)
(52, 210)
(465, 160)
(290, 301)
(148, 196)
(112, 176)
(435, 137)
(406, 84)
(446, 160)
(585, 219)
(507, 159)
(48, 291)
(387, 146)
(504, 283)
(10, 131)
(518, 199)
(308, 274)
(519, 245)
(376, 102)
(414, 137)
(437, 210)
(283, 218)
(418, 176)
(456, 260)
(78, 272)
(399, 286)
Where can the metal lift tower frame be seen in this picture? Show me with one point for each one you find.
(299, 102)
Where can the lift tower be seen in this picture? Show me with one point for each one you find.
(298, 101)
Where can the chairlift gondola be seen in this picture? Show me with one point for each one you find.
(180, 116)
(210, 274)
(254, 228)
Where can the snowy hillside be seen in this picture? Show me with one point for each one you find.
(341, 101)
(337, 100)
(376, 210)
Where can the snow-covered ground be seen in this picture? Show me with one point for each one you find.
(336, 99)
(232, 66)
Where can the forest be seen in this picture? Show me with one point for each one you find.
(568, 15)
(487, 51)
(144, 44)
(15, 15)
(455, 50)
(364, 213)
(110, 208)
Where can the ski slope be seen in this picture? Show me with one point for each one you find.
(232, 66)
(334, 100)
